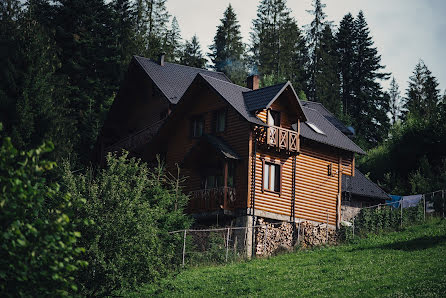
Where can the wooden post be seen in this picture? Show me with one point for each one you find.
(298, 233)
(227, 245)
(326, 234)
(424, 207)
(225, 183)
(184, 246)
(353, 227)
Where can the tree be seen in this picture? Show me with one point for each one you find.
(314, 36)
(39, 251)
(423, 96)
(192, 55)
(395, 101)
(345, 44)
(172, 42)
(227, 49)
(133, 208)
(327, 86)
(370, 104)
(277, 45)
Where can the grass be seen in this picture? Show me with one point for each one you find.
(408, 263)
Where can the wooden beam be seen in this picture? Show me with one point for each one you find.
(225, 183)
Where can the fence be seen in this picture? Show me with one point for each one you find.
(221, 245)
(395, 215)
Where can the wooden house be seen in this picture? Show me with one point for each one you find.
(246, 151)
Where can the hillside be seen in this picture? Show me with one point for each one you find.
(407, 263)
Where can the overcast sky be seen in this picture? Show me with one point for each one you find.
(404, 31)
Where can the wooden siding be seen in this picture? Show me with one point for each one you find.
(236, 135)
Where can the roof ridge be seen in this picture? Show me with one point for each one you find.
(260, 89)
(234, 84)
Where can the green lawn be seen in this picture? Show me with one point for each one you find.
(408, 263)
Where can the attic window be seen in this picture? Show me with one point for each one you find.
(315, 128)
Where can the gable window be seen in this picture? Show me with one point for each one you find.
(197, 128)
(220, 121)
(271, 176)
(273, 118)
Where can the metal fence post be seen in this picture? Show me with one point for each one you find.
(353, 227)
(424, 207)
(184, 246)
(326, 233)
(401, 219)
(227, 245)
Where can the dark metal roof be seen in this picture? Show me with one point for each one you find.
(328, 115)
(173, 79)
(233, 94)
(260, 99)
(332, 136)
(360, 185)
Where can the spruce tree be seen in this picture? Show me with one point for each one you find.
(227, 47)
(395, 101)
(277, 43)
(192, 55)
(326, 79)
(370, 104)
(172, 42)
(314, 36)
(422, 96)
(345, 44)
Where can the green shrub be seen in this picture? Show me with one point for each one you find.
(133, 208)
(39, 256)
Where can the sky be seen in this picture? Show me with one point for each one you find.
(404, 31)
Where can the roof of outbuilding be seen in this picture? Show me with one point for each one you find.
(328, 115)
(173, 79)
(360, 185)
(332, 136)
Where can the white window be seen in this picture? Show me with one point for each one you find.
(315, 128)
(271, 177)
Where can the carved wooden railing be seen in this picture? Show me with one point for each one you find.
(281, 138)
(213, 198)
(136, 139)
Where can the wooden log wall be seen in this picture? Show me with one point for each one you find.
(235, 135)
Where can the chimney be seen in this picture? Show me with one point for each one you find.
(252, 82)
(161, 59)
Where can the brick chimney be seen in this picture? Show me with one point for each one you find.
(252, 82)
(161, 59)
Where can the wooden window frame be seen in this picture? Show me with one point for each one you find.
(192, 120)
(280, 166)
(215, 120)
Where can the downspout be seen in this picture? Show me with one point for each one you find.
(253, 192)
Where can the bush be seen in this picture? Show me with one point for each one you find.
(133, 208)
(38, 255)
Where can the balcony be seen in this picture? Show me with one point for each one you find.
(213, 199)
(280, 138)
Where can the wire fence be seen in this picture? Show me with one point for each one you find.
(239, 241)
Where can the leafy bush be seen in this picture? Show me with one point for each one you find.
(39, 256)
(133, 208)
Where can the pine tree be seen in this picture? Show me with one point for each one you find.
(422, 96)
(395, 101)
(192, 55)
(227, 47)
(345, 44)
(370, 105)
(314, 36)
(277, 43)
(172, 42)
(327, 86)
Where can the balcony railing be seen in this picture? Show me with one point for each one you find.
(213, 198)
(281, 138)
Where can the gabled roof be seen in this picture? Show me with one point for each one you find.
(360, 185)
(233, 94)
(261, 99)
(332, 136)
(328, 115)
(173, 79)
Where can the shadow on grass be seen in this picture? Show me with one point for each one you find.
(409, 245)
